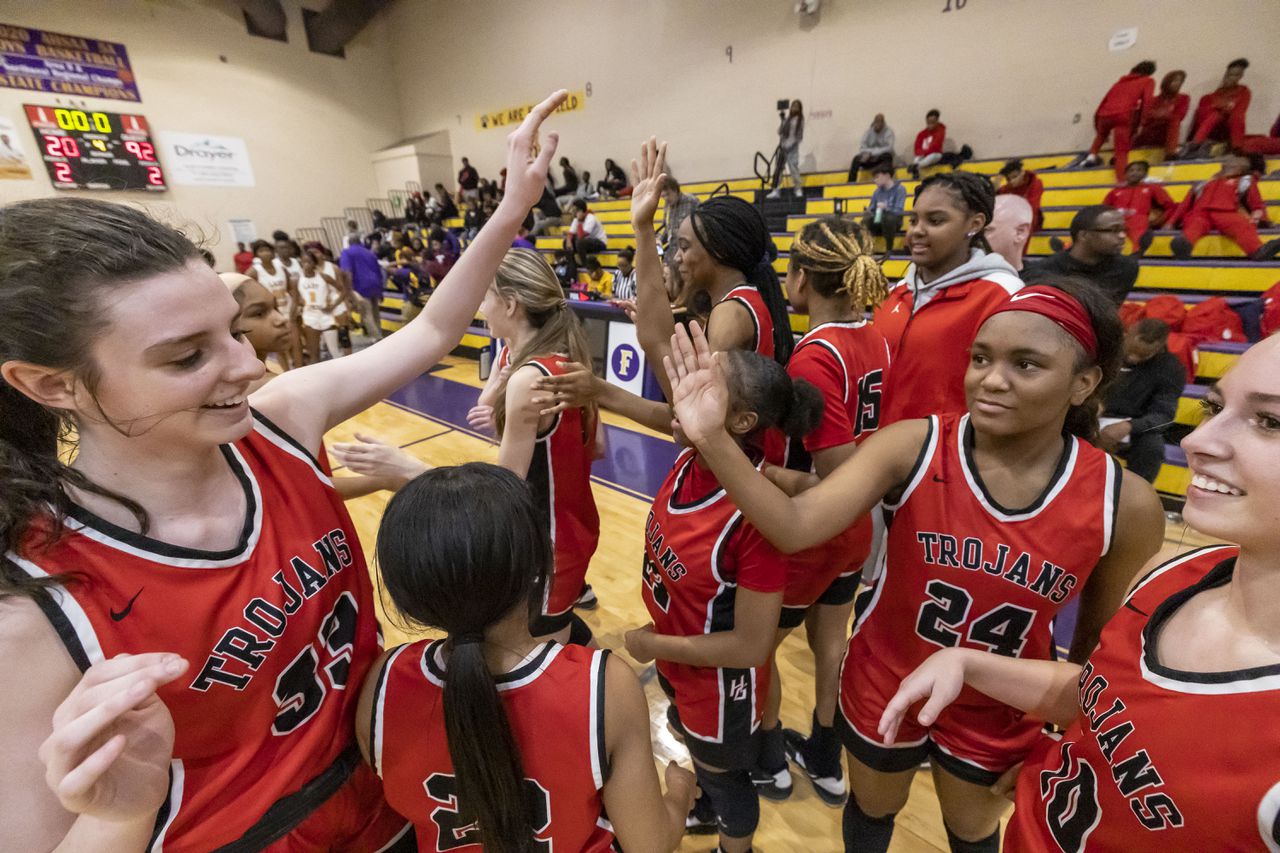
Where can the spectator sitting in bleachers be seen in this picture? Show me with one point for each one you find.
(930, 147)
(468, 182)
(438, 260)
(1268, 145)
(875, 149)
(1120, 113)
(522, 240)
(1162, 124)
(1219, 205)
(1136, 198)
(1020, 181)
(448, 208)
(473, 221)
(624, 280)
(1010, 229)
(567, 191)
(1096, 254)
(677, 207)
(586, 189)
(614, 181)
(1144, 399)
(446, 238)
(564, 269)
(585, 235)
(887, 206)
(599, 281)
(546, 213)
(1220, 114)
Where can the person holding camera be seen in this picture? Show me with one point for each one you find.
(790, 132)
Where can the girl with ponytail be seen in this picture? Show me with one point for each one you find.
(526, 308)
(188, 562)
(713, 588)
(834, 278)
(996, 520)
(490, 739)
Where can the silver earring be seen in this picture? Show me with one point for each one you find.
(971, 233)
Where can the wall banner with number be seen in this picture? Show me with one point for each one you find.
(65, 65)
(201, 160)
(512, 116)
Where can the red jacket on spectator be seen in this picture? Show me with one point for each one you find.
(1135, 202)
(1163, 121)
(1031, 189)
(1131, 95)
(929, 140)
(1220, 195)
(1220, 115)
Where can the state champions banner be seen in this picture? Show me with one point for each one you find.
(512, 116)
(60, 64)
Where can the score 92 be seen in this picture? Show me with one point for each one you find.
(144, 151)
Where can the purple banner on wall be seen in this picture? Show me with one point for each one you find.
(60, 64)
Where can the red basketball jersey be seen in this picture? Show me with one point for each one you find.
(554, 700)
(279, 630)
(960, 570)
(750, 298)
(560, 476)
(847, 363)
(698, 551)
(1158, 759)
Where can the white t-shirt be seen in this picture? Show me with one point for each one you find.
(316, 293)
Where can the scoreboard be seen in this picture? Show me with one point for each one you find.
(96, 150)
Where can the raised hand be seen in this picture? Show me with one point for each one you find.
(527, 159)
(575, 388)
(699, 390)
(108, 755)
(648, 177)
(374, 458)
(939, 680)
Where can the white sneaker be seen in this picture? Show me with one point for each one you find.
(799, 192)
(775, 194)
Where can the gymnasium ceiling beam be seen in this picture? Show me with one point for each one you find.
(266, 17)
(342, 21)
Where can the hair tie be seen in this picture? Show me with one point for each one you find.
(1060, 307)
(466, 639)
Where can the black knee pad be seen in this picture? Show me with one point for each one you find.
(735, 800)
(579, 631)
(865, 834)
(990, 844)
(344, 337)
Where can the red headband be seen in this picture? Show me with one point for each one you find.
(1057, 305)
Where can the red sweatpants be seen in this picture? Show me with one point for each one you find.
(1118, 125)
(1158, 135)
(1134, 227)
(1234, 226)
(1220, 128)
(1267, 145)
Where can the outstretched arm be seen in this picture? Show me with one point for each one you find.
(311, 400)
(653, 318)
(1044, 689)
(701, 400)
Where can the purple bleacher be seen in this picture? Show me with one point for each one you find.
(1173, 455)
(1195, 392)
(1229, 347)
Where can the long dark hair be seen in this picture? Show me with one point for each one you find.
(59, 257)
(735, 235)
(459, 550)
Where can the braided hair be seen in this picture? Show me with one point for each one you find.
(836, 255)
(975, 194)
(734, 234)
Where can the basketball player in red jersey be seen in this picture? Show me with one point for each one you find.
(490, 736)
(713, 588)
(1169, 740)
(932, 314)
(187, 602)
(526, 307)
(832, 277)
(996, 520)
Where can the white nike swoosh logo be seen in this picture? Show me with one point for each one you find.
(1018, 296)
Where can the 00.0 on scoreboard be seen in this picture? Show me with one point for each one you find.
(96, 150)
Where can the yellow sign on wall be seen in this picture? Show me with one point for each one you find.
(512, 116)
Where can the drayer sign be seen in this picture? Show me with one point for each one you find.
(512, 116)
(201, 160)
(65, 65)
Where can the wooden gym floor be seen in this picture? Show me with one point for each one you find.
(427, 419)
